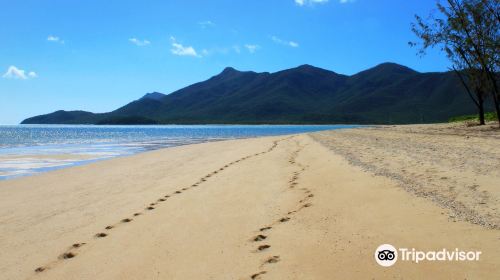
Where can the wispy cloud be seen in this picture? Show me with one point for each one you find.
(138, 42)
(55, 39)
(179, 49)
(292, 44)
(206, 24)
(311, 2)
(346, 1)
(15, 73)
(252, 48)
(221, 50)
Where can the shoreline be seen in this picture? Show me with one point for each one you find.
(82, 162)
(44, 145)
(277, 207)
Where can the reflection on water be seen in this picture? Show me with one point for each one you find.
(30, 149)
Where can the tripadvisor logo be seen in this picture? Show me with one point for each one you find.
(387, 255)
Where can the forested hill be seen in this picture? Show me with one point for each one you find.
(386, 94)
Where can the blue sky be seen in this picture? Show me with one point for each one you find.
(99, 55)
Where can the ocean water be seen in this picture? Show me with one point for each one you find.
(31, 149)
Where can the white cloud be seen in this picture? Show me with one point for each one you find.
(292, 44)
(206, 24)
(346, 1)
(179, 49)
(312, 2)
(138, 42)
(221, 50)
(55, 39)
(252, 48)
(15, 73)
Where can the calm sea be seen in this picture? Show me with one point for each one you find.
(31, 149)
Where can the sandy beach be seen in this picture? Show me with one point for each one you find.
(308, 206)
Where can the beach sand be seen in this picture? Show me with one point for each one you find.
(310, 206)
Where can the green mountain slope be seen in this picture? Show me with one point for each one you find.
(387, 93)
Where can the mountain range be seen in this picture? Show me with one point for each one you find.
(386, 94)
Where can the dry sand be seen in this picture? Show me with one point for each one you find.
(291, 207)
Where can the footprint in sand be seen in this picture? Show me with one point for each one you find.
(273, 259)
(101, 235)
(259, 237)
(285, 219)
(150, 208)
(137, 214)
(127, 220)
(256, 275)
(108, 227)
(178, 192)
(39, 269)
(263, 247)
(78, 245)
(265, 228)
(68, 255)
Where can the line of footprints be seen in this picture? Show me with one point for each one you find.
(264, 232)
(72, 251)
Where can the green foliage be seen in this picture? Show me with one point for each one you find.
(132, 120)
(468, 31)
(491, 116)
(386, 94)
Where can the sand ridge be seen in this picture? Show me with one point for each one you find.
(455, 166)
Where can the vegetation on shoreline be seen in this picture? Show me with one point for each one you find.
(490, 116)
(468, 32)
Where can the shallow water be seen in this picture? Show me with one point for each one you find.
(30, 149)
